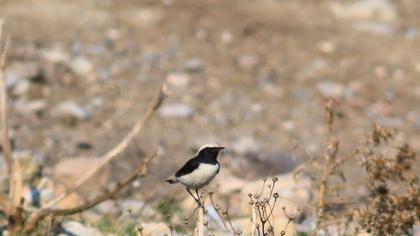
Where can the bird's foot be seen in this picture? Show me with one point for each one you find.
(199, 204)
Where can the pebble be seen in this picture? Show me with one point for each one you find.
(288, 125)
(333, 89)
(201, 34)
(178, 79)
(176, 110)
(194, 65)
(82, 66)
(326, 46)
(226, 37)
(70, 109)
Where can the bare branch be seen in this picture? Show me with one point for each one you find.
(117, 149)
(140, 172)
(7, 150)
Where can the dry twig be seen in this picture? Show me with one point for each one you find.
(140, 172)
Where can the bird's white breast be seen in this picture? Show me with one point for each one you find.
(200, 177)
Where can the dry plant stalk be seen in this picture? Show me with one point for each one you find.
(329, 161)
(200, 222)
(253, 220)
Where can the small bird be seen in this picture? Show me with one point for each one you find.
(200, 170)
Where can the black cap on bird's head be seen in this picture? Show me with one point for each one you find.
(209, 151)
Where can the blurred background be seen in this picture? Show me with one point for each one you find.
(250, 75)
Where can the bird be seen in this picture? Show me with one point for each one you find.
(199, 170)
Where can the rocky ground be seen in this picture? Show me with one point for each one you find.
(250, 75)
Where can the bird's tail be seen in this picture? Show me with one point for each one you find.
(172, 180)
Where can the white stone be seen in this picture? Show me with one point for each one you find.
(178, 79)
(176, 110)
(333, 89)
(72, 110)
(82, 66)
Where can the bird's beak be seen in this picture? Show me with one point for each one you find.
(219, 148)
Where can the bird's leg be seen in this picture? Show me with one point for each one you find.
(192, 195)
(198, 196)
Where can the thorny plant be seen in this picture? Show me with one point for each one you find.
(393, 204)
(263, 220)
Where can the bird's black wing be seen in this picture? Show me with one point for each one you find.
(189, 167)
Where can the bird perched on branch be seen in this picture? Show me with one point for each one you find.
(200, 170)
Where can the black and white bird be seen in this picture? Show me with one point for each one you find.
(200, 170)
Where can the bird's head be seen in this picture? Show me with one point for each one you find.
(209, 150)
